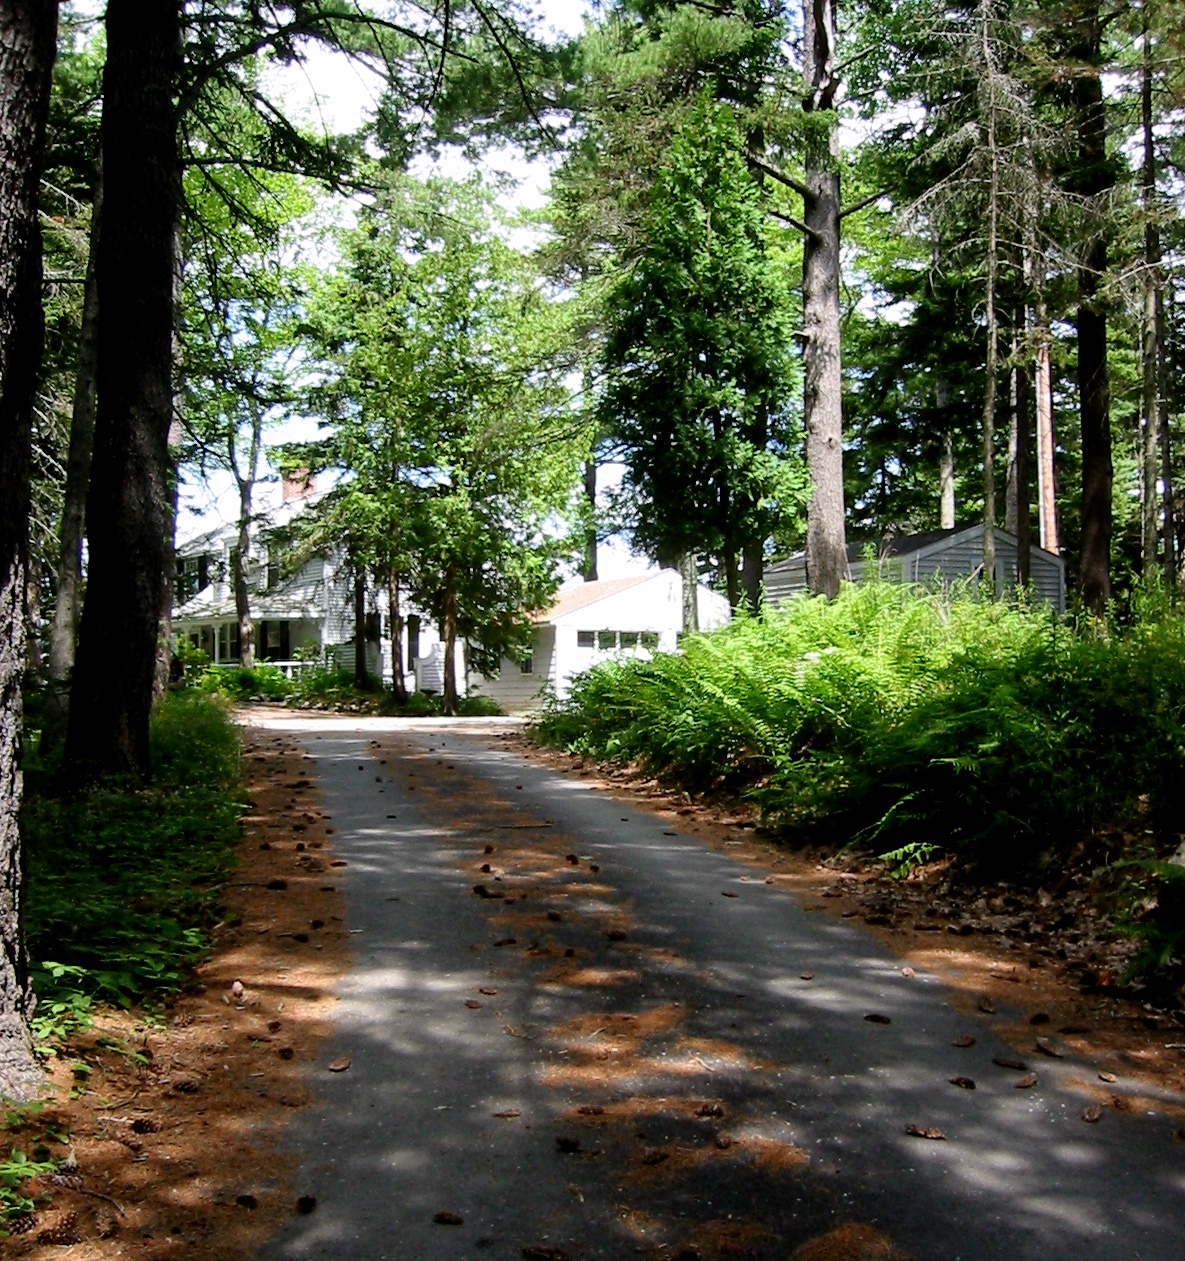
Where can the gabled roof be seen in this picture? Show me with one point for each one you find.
(587, 593)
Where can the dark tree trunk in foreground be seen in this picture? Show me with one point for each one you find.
(361, 678)
(1094, 386)
(63, 637)
(826, 543)
(27, 39)
(128, 506)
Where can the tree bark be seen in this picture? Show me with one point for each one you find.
(27, 41)
(128, 506)
(361, 677)
(398, 680)
(752, 556)
(241, 576)
(1094, 386)
(687, 570)
(1011, 489)
(448, 699)
(1046, 439)
(1169, 559)
(993, 330)
(1023, 469)
(826, 542)
(946, 458)
(1152, 321)
(588, 570)
(63, 636)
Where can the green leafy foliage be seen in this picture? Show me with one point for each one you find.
(261, 682)
(123, 884)
(901, 719)
(15, 1172)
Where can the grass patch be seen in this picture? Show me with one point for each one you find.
(123, 885)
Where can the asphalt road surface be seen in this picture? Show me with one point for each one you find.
(624, 1044)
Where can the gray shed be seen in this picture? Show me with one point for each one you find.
(920, 558)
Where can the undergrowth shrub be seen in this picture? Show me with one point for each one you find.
(909, 721)
(123, 884)
(247, 683)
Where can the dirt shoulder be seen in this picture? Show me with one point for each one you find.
(1040, 958)
(171, 1120)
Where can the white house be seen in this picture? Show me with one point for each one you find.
(308, 611)
(594, 621)
(942, 555)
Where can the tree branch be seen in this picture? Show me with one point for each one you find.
(860, 205)
(776, 173)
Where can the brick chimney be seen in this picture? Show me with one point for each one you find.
(299, 484)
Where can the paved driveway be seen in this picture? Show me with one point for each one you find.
(623, 1043)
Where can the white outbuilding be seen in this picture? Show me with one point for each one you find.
(595, 621)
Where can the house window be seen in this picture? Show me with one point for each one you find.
(607, 640)
(528, 666)
(649, 640)
(273, 636)
(629, 639)
(586, 639)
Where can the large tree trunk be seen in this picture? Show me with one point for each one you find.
(63, 636)
(688, 572)
(1046, 439)
(448, 699)
(752, 556)
(398, 679)
(128, 506)
(1153, 333)
(1093, 177)
(826, 543)
(993, 329)
(946, 457)
(241, 576)
(1024, 439)
(361, 676)
(1169, 559)
(588, 569)
(27, 40)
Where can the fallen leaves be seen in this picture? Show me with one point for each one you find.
(472, 1003)
(964, 1083)
(568, 1146)
(1003, 1061)
(965, 1040)
(306, 1204)
(546, 1252)
(1108, 1077)
(445, 1218)
(508, 1114)
(875, 1018)
(1046, 1047)
(924, 1131)
(339, 1065)
(986, 1005)
(1092, 1114)
(1023, 1083)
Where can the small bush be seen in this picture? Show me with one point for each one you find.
(261, 682)
(479, 707)
(194, 742)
